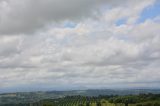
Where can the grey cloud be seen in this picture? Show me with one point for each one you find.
(26, 16)
(9, 46)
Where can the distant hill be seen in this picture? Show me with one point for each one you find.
(25, 97)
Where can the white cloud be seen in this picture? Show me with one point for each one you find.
(95, 52)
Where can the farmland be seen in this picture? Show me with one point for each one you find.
(112, 100)
(85, 98)
(131, 100)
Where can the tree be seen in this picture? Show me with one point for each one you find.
(98, 103)
(87, 103)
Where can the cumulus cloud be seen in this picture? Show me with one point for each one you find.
(24, 16)
(94, 52)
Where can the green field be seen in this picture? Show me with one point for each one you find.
(102, 103)
(105, 100)
(132, 100)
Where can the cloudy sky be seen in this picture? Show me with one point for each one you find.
(79, 44)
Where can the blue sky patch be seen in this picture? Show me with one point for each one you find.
(150, 12)
(69, 24)
(121, 21)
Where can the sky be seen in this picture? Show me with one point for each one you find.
(79, 44)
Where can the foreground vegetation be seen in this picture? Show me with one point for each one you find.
(130, 100)
(112, 100)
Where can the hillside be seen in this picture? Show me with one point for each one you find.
(34, 97)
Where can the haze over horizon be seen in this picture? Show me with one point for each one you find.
(79, 44)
